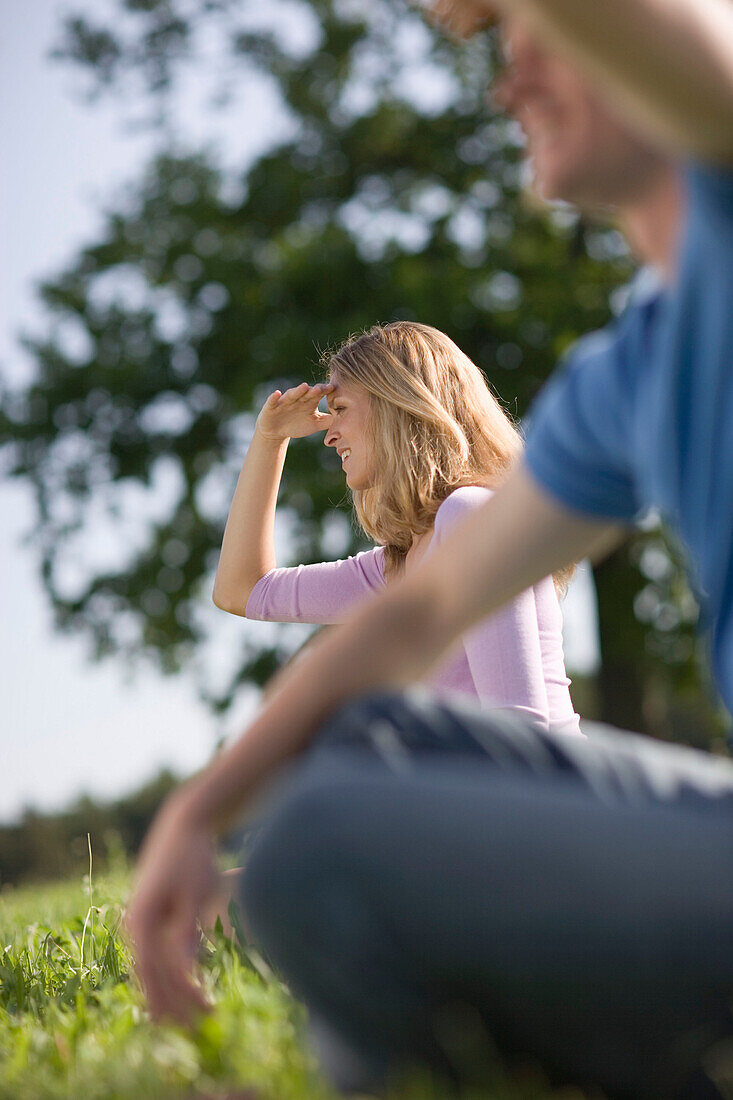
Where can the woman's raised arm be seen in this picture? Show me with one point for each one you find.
(248, 547)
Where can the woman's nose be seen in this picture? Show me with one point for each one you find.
(331, 437)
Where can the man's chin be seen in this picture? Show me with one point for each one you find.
(548, 189)
(553, 187)
(552, 183)
(552, 176)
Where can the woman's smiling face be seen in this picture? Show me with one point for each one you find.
(348, 433)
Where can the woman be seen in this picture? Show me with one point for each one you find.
(422, 442)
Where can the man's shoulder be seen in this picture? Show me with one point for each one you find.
(643, 298)
(710, 189)
(582, 428)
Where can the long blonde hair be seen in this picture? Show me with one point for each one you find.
(435, 425)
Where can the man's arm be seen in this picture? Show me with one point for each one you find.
(667, 65)
(518, 537)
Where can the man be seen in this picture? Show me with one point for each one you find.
(430, 866)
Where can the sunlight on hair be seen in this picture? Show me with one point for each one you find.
(435, 424)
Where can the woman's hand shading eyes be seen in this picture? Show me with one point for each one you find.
(294, 413)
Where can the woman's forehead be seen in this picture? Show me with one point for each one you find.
(348, 391)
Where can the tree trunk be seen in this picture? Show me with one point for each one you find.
(623, 658)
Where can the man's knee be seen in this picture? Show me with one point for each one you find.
(354, 723)
(296, 859)
(392, 726)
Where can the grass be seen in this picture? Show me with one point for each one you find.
(73, 1021)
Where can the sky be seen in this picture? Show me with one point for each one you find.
(71, 726)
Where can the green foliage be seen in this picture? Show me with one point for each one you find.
(73, 1022)
(396, 193)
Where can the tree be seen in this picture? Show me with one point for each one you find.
(396, 194)
(52, 845)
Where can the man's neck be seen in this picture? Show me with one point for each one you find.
(653, 222)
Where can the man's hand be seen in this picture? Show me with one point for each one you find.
(463, 17)
(175, 877)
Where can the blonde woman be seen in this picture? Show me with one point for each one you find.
(422, 442)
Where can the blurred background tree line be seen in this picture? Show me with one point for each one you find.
(397, 193)
(54, 845)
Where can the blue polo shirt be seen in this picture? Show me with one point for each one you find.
(641, 415)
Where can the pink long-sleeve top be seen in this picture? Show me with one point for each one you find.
(512, 659)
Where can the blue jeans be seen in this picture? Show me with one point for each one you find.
(436, 881)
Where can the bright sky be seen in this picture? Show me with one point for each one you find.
(68, 725)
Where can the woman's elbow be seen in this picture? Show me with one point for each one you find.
(227, 601)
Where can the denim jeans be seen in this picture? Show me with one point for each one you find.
(438, 882)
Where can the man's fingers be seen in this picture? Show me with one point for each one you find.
(163, 953)
(463, 17)
(175, 997)
(164, 971)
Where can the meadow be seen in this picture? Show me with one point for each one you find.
(73, 1021)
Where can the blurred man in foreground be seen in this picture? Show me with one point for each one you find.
(430, 870)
